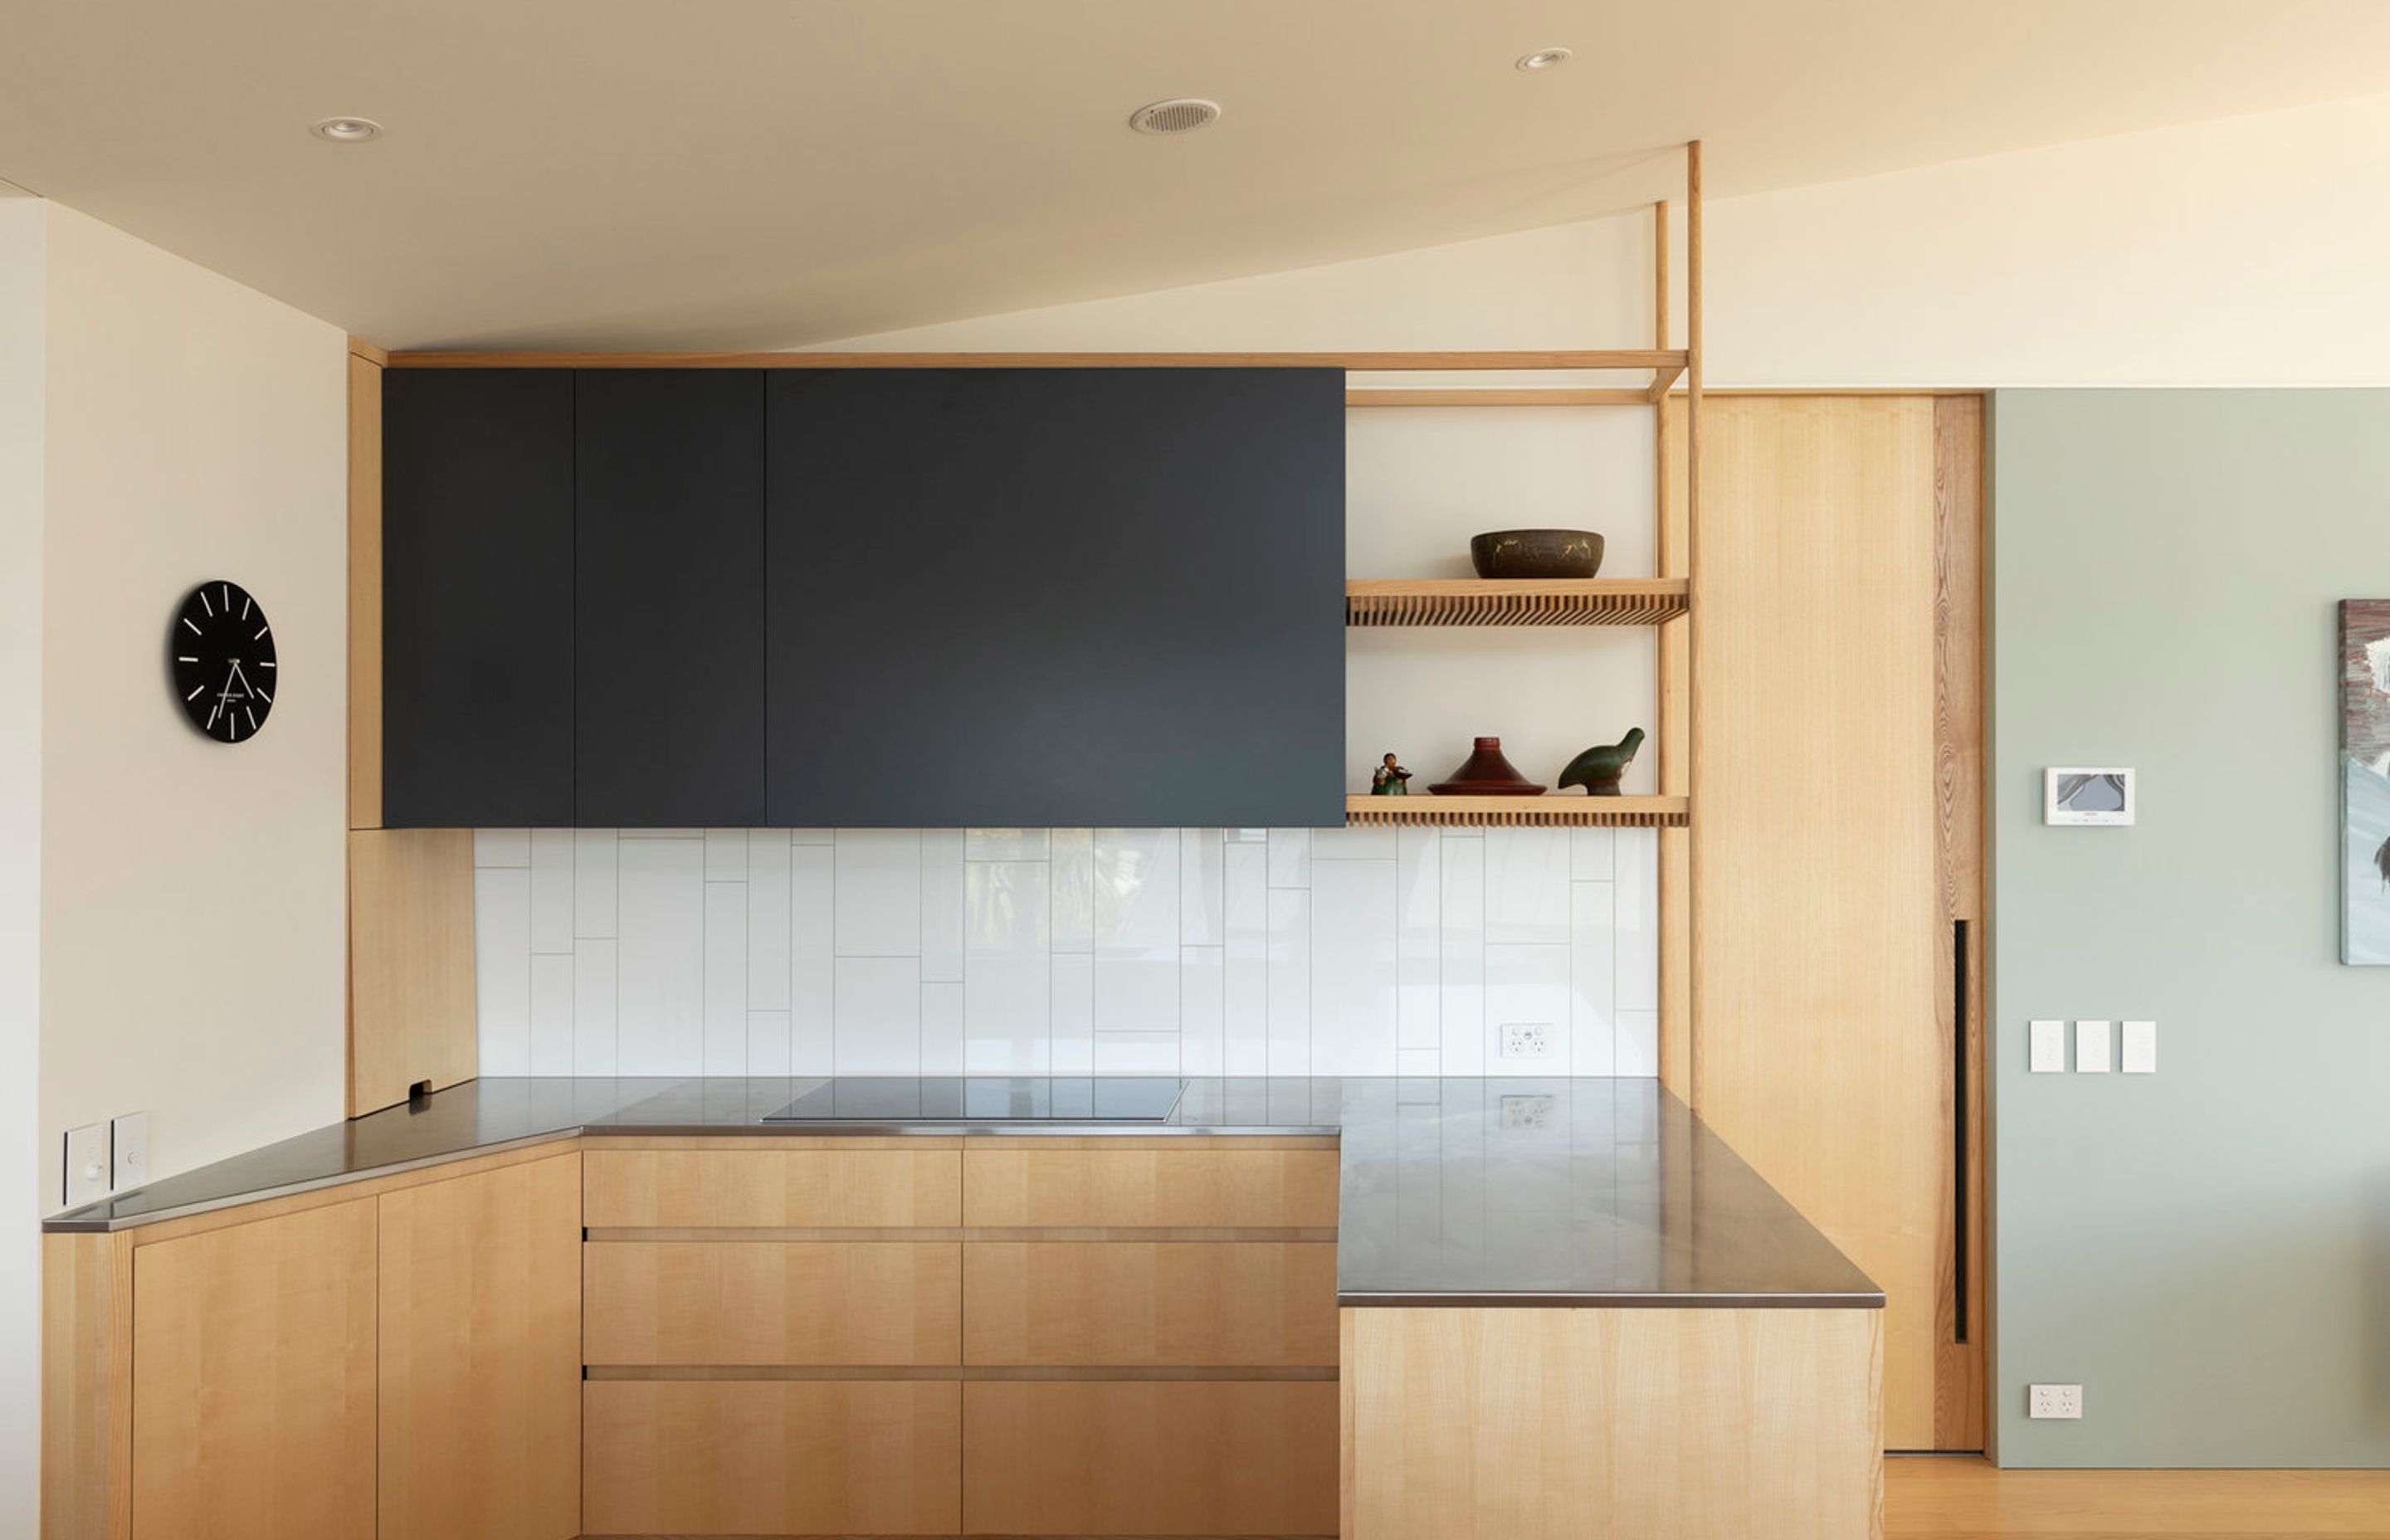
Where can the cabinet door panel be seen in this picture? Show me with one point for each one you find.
(1132, 1304)
(481, 1355)
(1056, 596)
(477, 597)
(253, 1371)
(668, 624)
(771, 1189)
(1144, 1188)
(760, 1302)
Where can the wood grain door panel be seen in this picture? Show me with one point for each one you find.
(1191, 1188)
(785, 1302)
(771, 1189)
(1190, 1303)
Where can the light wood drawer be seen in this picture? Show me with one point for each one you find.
(1189, 1457)
(1209, 1187)
(770, 1189)
(767, 1301)
(771, 1457)
(1186, 1304)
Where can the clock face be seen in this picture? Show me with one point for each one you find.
(222, 653)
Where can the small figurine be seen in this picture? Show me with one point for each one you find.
(1598, 769)
(1389, 779)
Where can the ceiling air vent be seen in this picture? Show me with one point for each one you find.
(1178, 115)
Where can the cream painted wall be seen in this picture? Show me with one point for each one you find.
(192, 892)
(23, 225)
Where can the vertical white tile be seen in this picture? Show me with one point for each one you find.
(1244, 985)
(1074, 888)
(879, 1016)
(1008, 978)
(725, 976)
(1136, 929)
(1638, 1042)
(1290, 982)
(942, 905)
(879, 892)
(1528, 886)
(594, 1050)
(767, 923)
(1426, 1063)
(768, 1043)
(1005, 844)
(501, 847)
(726, 856)
(502, 967)
(1365, 843)
(942, 1027)
(1202, 865)
(1462, 961)
(1354, 1010)
(551, 1013)
(1527, 985)
(813, 836)
(1137, 1052)
(1418, 940)
(1638, 920)
(1593, 985)
(660, 992)
(1070, 1051)
(1202, 977)
(1591, 857)
(1290, 858)
(551, 890)
(593, 883)
(812, 927)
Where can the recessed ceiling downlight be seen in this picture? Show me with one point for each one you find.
(347, 130)
(1178, 115)
(1545, 59)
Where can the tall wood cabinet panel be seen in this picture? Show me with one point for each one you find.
(668, 589)
(481, 1356)
(477, 597)
(1821, 959)
(1035, 596)
(253, 1371)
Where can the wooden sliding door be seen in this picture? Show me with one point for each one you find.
(1835, 850)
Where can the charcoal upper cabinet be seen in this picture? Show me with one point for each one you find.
(477, 597)
(668, 675)
(1055, 597)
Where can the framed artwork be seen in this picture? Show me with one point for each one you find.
(2079, 795)
(2365, 781)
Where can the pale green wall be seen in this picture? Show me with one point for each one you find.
(2207, 1251)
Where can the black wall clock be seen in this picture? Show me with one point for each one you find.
(222, 653)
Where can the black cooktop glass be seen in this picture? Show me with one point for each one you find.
(985, 1099)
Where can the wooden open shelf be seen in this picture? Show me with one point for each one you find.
(1560, 808)
(1521, 601)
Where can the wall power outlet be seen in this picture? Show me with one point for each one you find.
(2064, 1402)
(1526, 1040)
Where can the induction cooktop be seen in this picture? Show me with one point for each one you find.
(985, 1099)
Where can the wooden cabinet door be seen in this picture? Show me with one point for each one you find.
(1837, 725)
(253, 1352)
(1037, 597)
(481, 1356)
(668, 597)
(477, 597)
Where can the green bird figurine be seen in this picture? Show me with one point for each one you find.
(1599, 768)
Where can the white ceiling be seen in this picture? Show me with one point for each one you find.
(768, 172)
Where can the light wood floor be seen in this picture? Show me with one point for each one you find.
(1945, 1497)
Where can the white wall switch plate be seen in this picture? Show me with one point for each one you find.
(129, 1138)
(2140, 1047)
(2063, 1402)
(86, 1164)
(1526, 1040)
(2048, 1048)
(2090, 1048)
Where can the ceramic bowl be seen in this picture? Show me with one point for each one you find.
(1536, 553)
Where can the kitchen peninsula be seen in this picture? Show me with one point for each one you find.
(556, 1307)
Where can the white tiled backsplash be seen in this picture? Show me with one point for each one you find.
(1188, 951)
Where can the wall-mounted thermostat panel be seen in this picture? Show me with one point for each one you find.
(2079, 796)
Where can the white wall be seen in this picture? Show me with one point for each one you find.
(1196, 951)
(23, 231)
(192, 892)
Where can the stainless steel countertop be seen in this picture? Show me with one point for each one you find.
(1548, 1191)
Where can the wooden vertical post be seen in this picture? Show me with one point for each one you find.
(1669, 654)
(1690, 1012)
